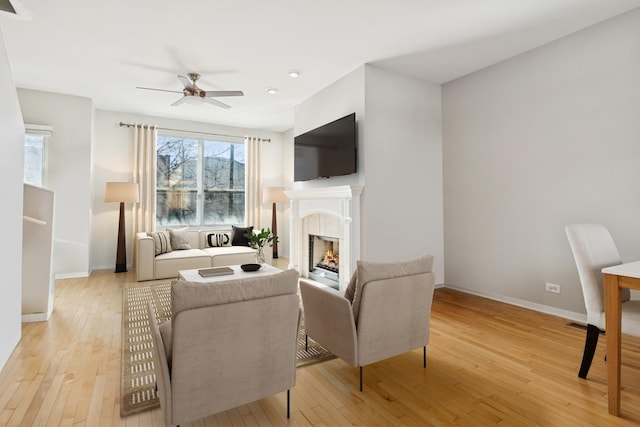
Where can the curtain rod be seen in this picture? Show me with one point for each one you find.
(129, 125)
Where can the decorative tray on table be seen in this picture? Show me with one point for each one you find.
(250, 267)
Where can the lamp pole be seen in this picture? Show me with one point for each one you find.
(274, 195)
(121, 192)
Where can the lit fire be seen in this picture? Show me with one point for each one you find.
(330, 260)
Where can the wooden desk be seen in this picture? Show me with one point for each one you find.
(616, 277)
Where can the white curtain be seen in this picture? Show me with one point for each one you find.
(144, 173)
(253, 181)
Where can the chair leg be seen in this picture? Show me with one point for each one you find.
(360, 378)
(424, 356)
(590, 345)
(306, 342)
(288, 404)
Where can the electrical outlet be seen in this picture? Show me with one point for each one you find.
(552, 287)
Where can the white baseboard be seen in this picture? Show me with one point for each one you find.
(576, 317)
(71, 275)
(35, 317)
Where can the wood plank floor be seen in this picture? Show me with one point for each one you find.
(488, 364)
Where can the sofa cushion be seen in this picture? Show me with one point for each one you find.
(189, 295)
(169, 264)
(228, 250)
(216, 240)
(161, 242)
(238, 238)
(371, 271)
(183, 254)
(178, 238)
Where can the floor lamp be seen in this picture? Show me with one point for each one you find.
(122, 192)
(274, 195)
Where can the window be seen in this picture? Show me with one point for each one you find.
(35, 154)
(200, 182)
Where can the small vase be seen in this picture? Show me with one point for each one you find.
(260, 255)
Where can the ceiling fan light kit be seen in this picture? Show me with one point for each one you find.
(192, 94)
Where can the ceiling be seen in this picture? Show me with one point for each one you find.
(103, 50)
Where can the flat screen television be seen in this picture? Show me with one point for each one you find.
(330, 150)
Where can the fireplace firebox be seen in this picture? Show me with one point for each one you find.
(324, 260)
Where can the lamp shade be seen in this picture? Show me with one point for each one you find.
(126, 192)
(273, 195)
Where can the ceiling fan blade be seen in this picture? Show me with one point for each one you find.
(216, 102)
(160, 90)
(185, 81)
(178, 102)
(217, 93)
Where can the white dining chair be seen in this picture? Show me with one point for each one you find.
(593, 249)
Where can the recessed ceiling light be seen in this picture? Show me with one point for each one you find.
(272, 90)
(294, 74)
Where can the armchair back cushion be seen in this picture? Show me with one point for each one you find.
(374, 271)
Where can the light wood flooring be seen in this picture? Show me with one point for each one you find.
(488, 364)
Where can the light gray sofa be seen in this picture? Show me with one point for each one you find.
(150, 266)
(228, 343)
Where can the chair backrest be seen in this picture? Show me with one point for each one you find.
(394, 307)
(233, 342)
(593, 249)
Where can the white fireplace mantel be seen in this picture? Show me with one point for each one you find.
(328, 211)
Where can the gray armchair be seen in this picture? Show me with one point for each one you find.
(228, 343)
(384, 312)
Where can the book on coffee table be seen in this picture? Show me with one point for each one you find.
(214, 271)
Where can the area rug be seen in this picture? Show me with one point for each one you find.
(137, 380)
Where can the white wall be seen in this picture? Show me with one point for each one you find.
(399, 160)
(113, 161)
(11, 176)
(68, 172)
(548, 138)
(402, 203)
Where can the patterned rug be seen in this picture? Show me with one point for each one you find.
(137, 379)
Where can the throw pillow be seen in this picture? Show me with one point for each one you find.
(161, 242)
(179, 239)
(238, 238)
(215, 240)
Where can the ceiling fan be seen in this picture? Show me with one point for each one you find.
(192, 94)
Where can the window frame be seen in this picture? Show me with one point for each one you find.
(45, 132)
(200, 191)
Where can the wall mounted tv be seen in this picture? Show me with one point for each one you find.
(330, 150)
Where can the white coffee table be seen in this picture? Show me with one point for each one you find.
(238, 273)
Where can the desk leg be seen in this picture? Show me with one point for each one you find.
(613, 308)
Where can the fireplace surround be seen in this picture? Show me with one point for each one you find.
(332, 213)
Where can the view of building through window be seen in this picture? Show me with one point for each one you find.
(35, 159)
(200, 182)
